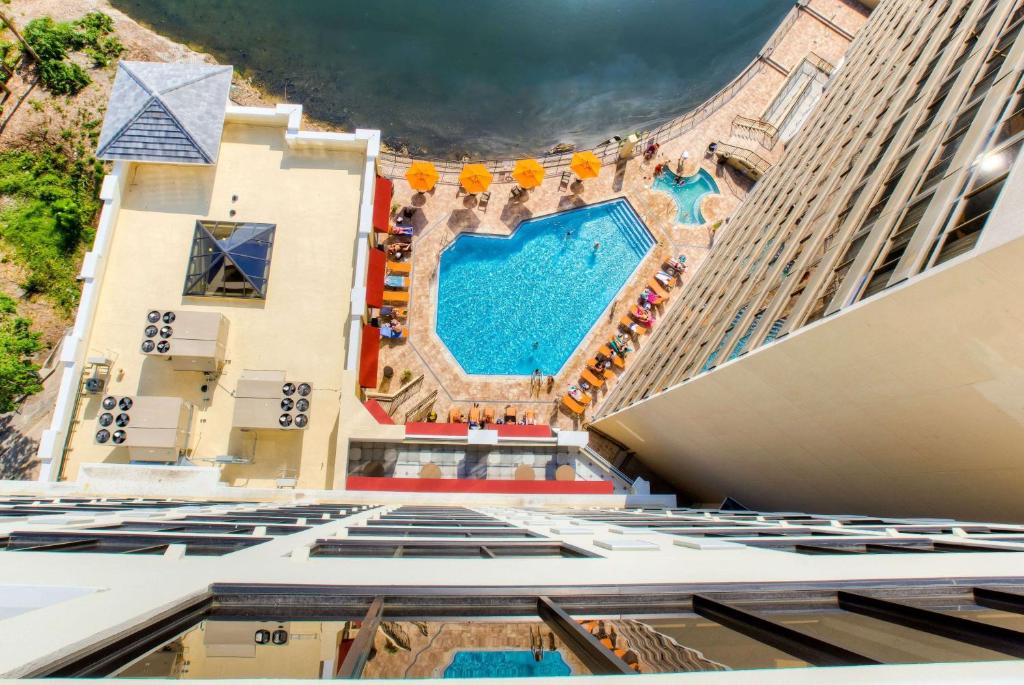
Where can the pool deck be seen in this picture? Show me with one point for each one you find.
(443, 214)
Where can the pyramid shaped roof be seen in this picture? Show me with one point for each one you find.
(230, 259)
(170, 113)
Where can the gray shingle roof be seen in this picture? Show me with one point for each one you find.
(165, 113)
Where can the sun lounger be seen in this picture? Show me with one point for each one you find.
(635, 316)
(396, 296)
(485, 199)
(589, 377)
(573, 406)
(399, 282)
(531, 417)
(595, 367)
(616, 359)
(658, 290)
(474, 415)
(394, 312)
(488, 414)
(402, 230)
(399, 267)
(387, 332)
(566, 180)
(510, 414)
(625, 323)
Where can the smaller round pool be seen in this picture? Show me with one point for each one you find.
(687, 193)
(506, 663)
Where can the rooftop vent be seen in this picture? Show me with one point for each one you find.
(193, 341)
(152, 428)
(265, 399)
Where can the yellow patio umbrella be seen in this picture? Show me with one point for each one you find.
(528, 173)
(475, 178)
(585, 164)
(422, 176)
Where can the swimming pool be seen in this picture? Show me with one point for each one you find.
(687, 194)
(509, 305)
(510, 663)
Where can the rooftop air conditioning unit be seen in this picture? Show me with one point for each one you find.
(193, 341)
(265, 399)
(152, 428)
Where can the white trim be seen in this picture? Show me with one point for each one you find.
(73, 352)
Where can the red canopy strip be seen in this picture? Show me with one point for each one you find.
(375, 278)
(368, 354)
(382, 193)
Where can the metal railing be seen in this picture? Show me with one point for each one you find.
(394, 165)
(748, 161)
(761, 132)
(607, 467)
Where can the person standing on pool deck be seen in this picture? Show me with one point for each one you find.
(551, 383)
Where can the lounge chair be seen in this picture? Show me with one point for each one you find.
(387, 333)
(396, 296)
(482, 203)
(399, 267)
(625, 323)
(566, 180)
(531, 417)
(474, 415)
(402, 230)
(573, 406)
(455, 415)
(595, 368)
(399, 282)
(510, 414)
(488, 414)
(516, 192)
(590, 377)
(394, 312)
(658, 290)
(616, 359)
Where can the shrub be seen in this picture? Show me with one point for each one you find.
(18, 375)
(63, 78)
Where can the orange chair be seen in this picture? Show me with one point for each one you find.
(474, 415)
(573, 406)
(403, 268)
(396, 296)
(531, 417)
(625, 322)
(454, 415)
(589, 377)
(616, 359)
(658, 289)
(596, 368)
(488, 414)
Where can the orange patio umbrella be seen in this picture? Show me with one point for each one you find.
(475, 178)
(585, 164)
(422, 176)
(528, 173)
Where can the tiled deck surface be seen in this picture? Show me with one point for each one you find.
(443, 214)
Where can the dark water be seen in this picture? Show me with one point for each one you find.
(485, 78)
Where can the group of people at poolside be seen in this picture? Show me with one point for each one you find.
(641, 316)
(480, 418)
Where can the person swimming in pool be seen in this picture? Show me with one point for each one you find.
(597, 245)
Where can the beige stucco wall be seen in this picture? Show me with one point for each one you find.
(911, 403)
(313, 196)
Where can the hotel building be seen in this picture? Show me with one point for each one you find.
(854, 339)
(188, 524)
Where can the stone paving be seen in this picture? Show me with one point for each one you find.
(444, 213)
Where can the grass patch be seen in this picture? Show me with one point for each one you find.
(47, 220)
(18, 375)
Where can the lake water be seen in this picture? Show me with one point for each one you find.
(483, 77)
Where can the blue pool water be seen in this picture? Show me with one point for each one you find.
(509, 305)
(506, 664)
(687, 194)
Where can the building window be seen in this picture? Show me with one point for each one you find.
(230, 260)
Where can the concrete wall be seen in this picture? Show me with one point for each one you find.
(911, 403)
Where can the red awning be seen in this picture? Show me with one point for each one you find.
(368, 354)
(516, 487)
(382, 193)
(375, 278)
